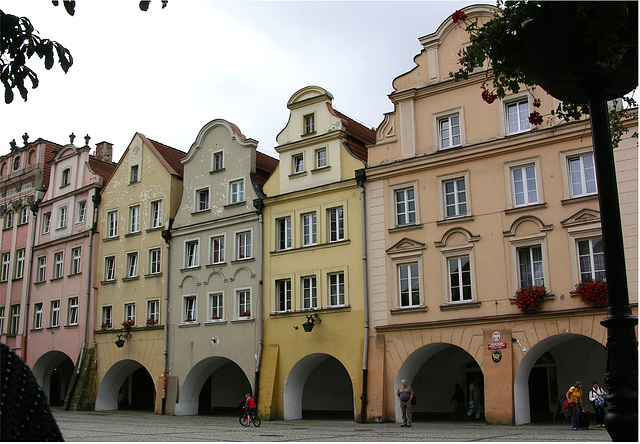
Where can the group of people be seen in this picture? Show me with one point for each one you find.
(575, 406)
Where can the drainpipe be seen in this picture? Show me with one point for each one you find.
(361, 178)
(259, 205)
(25, 331)
(166, 235)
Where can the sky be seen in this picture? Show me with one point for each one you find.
(167, 72)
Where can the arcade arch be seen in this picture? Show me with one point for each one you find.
(126, 385)
(53, 371)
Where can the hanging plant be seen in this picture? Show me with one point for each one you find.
(593, 292)
(529, 299)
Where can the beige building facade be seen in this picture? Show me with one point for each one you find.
(467, 203)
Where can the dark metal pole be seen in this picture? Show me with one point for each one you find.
(621, 380)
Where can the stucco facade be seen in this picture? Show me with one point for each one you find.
(465, 206)
(313, 268)
(138, 203)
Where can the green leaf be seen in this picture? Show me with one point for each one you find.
(8, 95)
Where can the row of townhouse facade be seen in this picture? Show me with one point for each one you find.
(180, 280)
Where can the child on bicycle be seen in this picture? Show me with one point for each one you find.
(250, 406)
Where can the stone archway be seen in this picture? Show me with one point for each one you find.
(124, 381)
(54, 371)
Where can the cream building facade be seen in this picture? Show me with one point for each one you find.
(467, 203)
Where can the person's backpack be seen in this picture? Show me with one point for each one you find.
(599, 402)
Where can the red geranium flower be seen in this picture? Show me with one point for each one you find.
(488, 96)
(529, 299)
(593, 292)
(458, 16)
(535, 118)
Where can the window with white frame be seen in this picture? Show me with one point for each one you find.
(24, 215)
(309, 229)
(409, 284)
(4, 272)
(112, 223)
(55, 313)
(236, 191)
(218, 161)
(15, 319)
(110, 268)
(335, 220)
(72, 318)
(20, 258)
(58, 265)
(321, 158)
(283, 233)
(309, 293)
(459, 273)
(81, 211)
(524, 185)
(134, 174)
(46, 222)
(405, 206)
(8, 219)
(76, 260)
(191, 255)
(216, 306)
(530, 266)
(37, 316)
(154, 261)
(189, 308)
(591, 259)
(156, 214)
(309, 122)
(449, 131)
(217, 249)
(132, 264)
(66, 177)
(42, 269)
(582, 175)
(243, 300)
(107, 317)
(130, 312)
(455, 197)
(297, 163)
(336, 289)
(153, 312)
(1, 320)
(62, 217)
(243, 245)
(283, 295)
(517, 115)
(202, 199)
(134, 219)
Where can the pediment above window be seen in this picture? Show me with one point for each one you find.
(582, 217)
(406, 245)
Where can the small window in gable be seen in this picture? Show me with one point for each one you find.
(134, 174)
(218, 161)
(66, 177)
(297, 163)
(309, 124)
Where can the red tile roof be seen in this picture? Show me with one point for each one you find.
(49, 148)
(170, 157)
(265, 165)
(358, 135)
(104, 169)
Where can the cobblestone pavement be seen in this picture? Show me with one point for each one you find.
(145, 426)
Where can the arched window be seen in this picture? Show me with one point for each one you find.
(16, 163)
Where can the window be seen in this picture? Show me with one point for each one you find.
(591, 259)
(336, 289)
(460, 289)
(112, 223)
(236, 191)
(66, 176)
(42, 269)
(309, 124)
(202, 199)
(132, 264)
(134, 174)
(217, 161)
(110, 268)
(217, 250)
(130, 312)
(8, 219)
(81, 211)
(309, 229)
(134, 219)
(309, 293)
(297, 163)
(530, 266)
(283, 227)
(73, 311)
(24, 215)
(321, 158)
(55, 313)
(524, 185)
(405, 206)
(58, 265)
(156, 214)
(243, 245)
(20, 256)
(15, 319)
(283, 291)
(191, 254)
(582, 175)
(335, 219)
(409, 285)
(37, 316)
(455, 198)
(153, 312)
(62, 217)
(154, 261)
(449, 131)
(517, 116)
(243, 298)
(76, 260)
(1, 320)
(189, 310)
(16, 163)
(107, 317)
(216, 306)
(46, 223)
(4, 272)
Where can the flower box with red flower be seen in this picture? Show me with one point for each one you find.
(593, 292)
(152, 322)
(245, 314)
(105, 326)
(128, 325)
(529, 299)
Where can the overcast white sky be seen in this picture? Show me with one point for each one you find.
(167, 72)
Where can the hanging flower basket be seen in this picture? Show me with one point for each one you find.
(529, 299)
(593, 292)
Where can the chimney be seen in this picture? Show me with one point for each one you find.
(104, 151)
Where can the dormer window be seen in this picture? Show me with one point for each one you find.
(297, 163)
(309, 124)
(134, 174)
(66, 174)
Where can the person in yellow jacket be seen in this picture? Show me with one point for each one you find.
(574, 396)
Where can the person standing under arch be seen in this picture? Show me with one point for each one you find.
(405, 395)
(574, 397)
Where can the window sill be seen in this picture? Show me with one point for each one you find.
(19, 279)
(215, 322)
(548, 297)
(320, 311)
(406, 310)
(112, 238)
(40, 282)
(235, 204)
(56, 278)
(108, 282)
(310, 247)
(61, 228)
(54, 327)
(217, 264)
(312, 133)
(407, 227)
(149, 230)
(73, 275)
(187, 269)
(245, 319)
(460, 305)
(153, 275)
(188, 324)
(242, 261)
(321, 169)
(524, 208)
(206, 210)
(578, 199)
(135, 233)
(296, 175)
(219, 170)
(131, 278)
(455, 220)
(71, 326)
